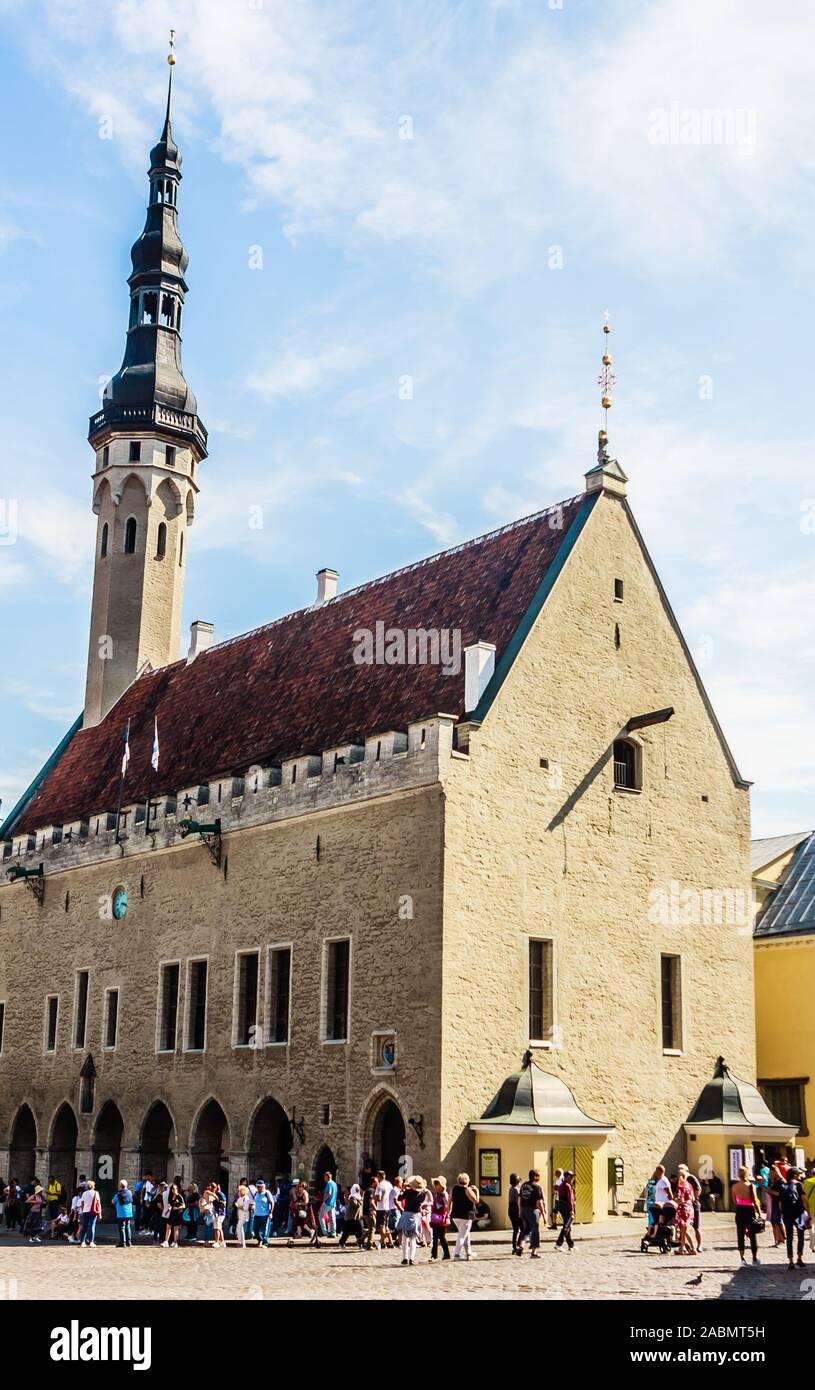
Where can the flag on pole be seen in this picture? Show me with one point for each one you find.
(154, 756)
(126, 754)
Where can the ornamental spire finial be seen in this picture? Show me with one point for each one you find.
(606, 380)
(171, 61)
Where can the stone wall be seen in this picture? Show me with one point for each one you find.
(559, 853)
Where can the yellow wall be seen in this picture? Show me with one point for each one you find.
(520, 1152)
(785, 1017)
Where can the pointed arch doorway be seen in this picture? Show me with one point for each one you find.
(23, 1146)
(63, 1151)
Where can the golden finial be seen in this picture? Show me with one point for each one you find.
(171, 54)
(606, 380)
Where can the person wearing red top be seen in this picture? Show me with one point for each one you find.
(564, 1204)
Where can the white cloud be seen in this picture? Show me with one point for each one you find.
(296, 373)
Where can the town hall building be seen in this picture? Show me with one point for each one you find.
(391, 894)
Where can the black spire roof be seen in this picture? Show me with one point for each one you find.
(149, 387)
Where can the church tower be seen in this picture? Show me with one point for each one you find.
(148, 441)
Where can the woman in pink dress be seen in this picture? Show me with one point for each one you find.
(685, 1197)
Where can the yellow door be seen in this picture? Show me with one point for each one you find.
(563, 1159)
(581, 1163)
(583, 1185)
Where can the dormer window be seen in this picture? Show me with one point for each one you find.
(627, 766)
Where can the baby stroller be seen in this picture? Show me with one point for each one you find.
(661, 1232)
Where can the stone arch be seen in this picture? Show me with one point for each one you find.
(108, 1137)
(168, 497)
(23, 1145)
(190, 506)
(62, 1147)
(103, 497)
(269, 1141)
(157, 1142)
(324, 1162)
(209, 1144)
(131, 484)
(383, 1132)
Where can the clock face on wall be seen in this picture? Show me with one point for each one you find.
(119, 903)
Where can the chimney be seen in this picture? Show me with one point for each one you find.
(201, 639)
(479, 664)
(326, 586)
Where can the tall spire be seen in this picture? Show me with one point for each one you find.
(150, 379)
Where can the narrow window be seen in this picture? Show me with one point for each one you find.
(130, 536)
(2, 1024)
(168, 1007)
(111, 1017)
(181, 549)
(51, 1016)
(161, 541)
(618, 591)
(247, 1010)
(671, 988)
(541, 994)
(197, 1008)
(149, 307)
(277, 1013)
(625, 765)
(103, 552)
(81, 1008)
(86, 1091)
(135, 450)
(106, 456)
(169, 455)
(336, 993)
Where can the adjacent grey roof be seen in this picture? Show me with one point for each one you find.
(791, 909)
(763, 852)
(535, 1098)
(726, 1100)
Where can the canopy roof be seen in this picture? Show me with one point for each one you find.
(535, 1099)
(726, 1100)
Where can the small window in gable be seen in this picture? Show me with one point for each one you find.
(627, 765)
(618, 591)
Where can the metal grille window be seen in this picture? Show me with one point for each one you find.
(541, 993)
(197, 1009)
(168, 1007)
(671, 989)
(247, 1012)
(625, 765)
(111, 1018)
(51, 1017)
(336, 991)
(81, 1008)
(277, 1029)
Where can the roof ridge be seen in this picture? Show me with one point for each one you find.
(392, 574)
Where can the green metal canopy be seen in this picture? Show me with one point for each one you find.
(534, 1099)
(726, 1100)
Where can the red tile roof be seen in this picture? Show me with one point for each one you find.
(293, 687)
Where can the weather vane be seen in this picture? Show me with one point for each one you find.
(171, 54)
(606, 381)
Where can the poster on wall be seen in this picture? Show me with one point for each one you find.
(736, 1161)
(489, 1172)
(749, 1157)
(801, 1160)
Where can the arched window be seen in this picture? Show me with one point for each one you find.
(627, 765)
(130, 536)
(161, 542)
(104, 550)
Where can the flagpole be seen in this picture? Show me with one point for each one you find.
(122, 781)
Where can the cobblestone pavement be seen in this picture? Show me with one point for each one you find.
(603, 1266)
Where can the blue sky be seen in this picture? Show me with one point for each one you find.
(475, 258)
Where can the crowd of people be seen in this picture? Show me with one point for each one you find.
(777, 1193)
(407, 1214)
